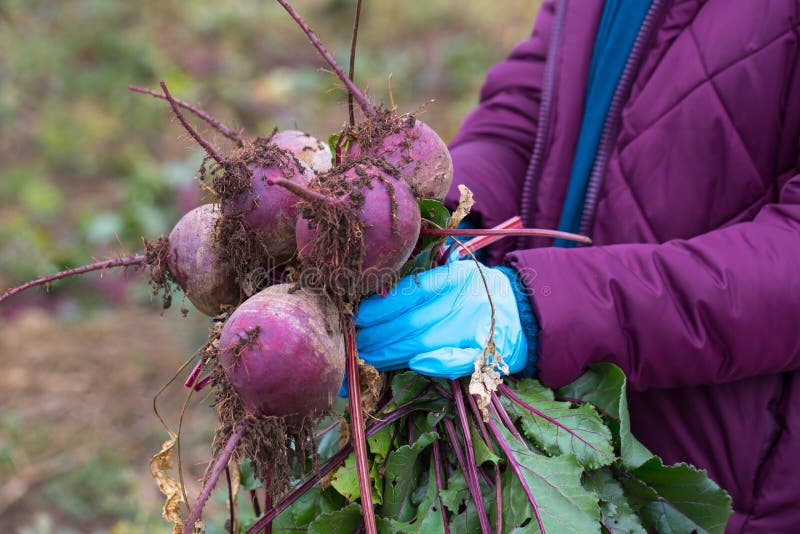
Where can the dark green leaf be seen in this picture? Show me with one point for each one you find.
(345, 481)
(380, 442)
(306, 508)
(429, 513)
(482, 452)
(603, 385)
(677, 498)
(564, 505)
(434, 417)
(402, 470)
(333, 140)
(406, 386)
(331, 500)
(328, 445)
(376, 476)
(247, 477)
(615, 513)
(435, 212)
(467, 521)
(438, 216)
(344, 521)
(456, 492)
(559, 428)
(384, 526)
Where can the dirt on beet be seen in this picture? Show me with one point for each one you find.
(239, 248)
(162, 280)
(273, 444)
(374, 129)
(332, 263)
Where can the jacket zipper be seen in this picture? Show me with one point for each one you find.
(545, 115)
(608, 135)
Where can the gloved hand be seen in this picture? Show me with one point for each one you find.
(438, 322)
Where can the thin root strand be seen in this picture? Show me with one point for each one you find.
(214, 123)
(299, 190)
(357, 94)
(210, 150)
(138, 259)
(219, 467)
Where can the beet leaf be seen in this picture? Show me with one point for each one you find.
(676, 498)
(559, 427)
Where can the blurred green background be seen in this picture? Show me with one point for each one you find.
(87, 168)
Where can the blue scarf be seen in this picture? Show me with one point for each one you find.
(619, 26)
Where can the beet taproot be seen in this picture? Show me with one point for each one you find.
(268, 213)
(362, 223)
(283, 353)
(194, 262)
(410, 145)
(313, 154)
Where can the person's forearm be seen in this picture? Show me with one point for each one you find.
(716, 308)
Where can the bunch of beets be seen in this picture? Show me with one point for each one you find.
(300, 231)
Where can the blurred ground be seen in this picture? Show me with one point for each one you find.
(86, 168)
(76, 421)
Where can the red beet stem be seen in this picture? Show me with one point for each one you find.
(98, 266)
(214, 123)
(473, 406)
(231, 511)
(210, 150)
(357, 427)
(503, 414)
(192, 378)
(437, 465)
(472, 483)
(357, 94)
(478, 243)
(555, 234)
(219, 467)
(515, 466)
(299, 190)
(254, 501)
(469, 454)
(267, 500)
(203, 382)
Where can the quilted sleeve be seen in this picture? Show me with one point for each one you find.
(493, 146)
(717, 308)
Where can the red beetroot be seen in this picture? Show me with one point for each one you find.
(194, 262)
(418, 153)
(283, 353)
(268, 211)
(390, 222)
(312, 153)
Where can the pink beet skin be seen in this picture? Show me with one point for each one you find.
(421, 157)
(294, 366)
(194, 262)
(271, 211)
(386, 251)
(312, 153)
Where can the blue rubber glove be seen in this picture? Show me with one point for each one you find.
(438, 322)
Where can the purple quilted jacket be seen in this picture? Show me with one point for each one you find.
(693, 283)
